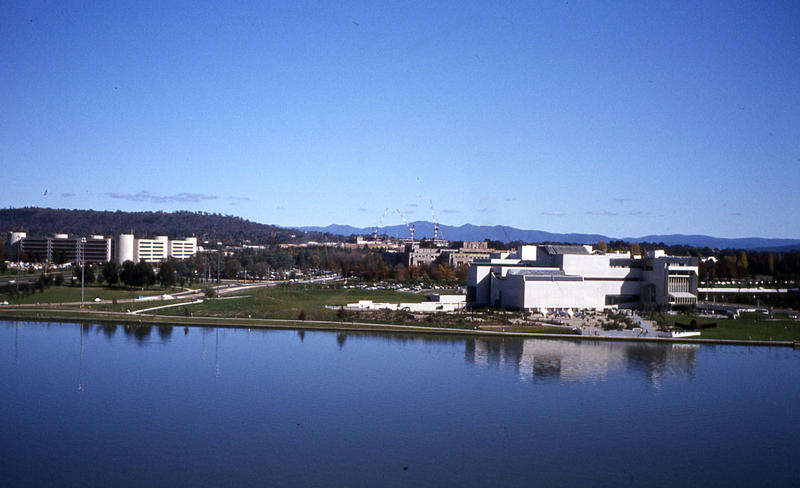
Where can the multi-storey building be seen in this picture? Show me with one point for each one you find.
(154, 250)
(467, 253)
(62, 248)
(551, 277)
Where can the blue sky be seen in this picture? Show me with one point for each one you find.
(624, 119)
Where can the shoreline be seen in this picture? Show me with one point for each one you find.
(51, 315)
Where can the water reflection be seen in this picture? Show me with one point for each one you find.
(16, 344)
(164, 332)
(216, 354)
(81, 332)
(108, 330)
(532, 360)
(580, 361)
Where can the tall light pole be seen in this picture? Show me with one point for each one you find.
(83, 266)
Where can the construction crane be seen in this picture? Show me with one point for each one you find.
(380, 223)
(410, 227)
(436, 232)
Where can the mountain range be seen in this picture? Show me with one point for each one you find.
(503, 233)
(229, 228)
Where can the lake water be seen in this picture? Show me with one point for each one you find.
(99, 405)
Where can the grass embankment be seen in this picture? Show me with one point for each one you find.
(287, 302)
(264, 306)
(749, 326)
(68, 294)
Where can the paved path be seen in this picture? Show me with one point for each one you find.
(648, 326)
(199, 300)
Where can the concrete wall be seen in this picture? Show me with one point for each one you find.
(125, 248)
(478, 277)
(575, 294)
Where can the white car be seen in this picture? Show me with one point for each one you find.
(98, 299)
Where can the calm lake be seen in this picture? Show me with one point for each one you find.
(92, 405)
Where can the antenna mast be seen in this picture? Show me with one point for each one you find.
(410, 227)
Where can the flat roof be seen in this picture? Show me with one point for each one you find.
(553, 249)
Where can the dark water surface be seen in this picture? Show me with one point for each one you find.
(114, 406)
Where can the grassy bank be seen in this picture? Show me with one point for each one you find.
(287, 302)
(68, 294)
(749, 326)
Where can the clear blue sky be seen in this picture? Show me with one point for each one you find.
(624, 119)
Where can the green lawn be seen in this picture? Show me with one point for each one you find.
(286, 302)
(67, 293)
(755, 326)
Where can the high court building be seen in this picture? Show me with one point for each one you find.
(571, 277)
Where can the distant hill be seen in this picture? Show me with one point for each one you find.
(232, 229)
(225, 228)
(469, 232)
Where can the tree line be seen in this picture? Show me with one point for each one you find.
(206, 226)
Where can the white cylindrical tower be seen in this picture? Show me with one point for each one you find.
(124, 248)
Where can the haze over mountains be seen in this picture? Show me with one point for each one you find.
(469, 232)
(37, 220)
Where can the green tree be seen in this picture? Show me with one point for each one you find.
(167, 274)
(232, 268)
(110, 272)
(143, 274)
(127, 273)
(90, 272)
(76, 274)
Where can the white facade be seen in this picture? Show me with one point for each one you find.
(125, 248)
(153, 250)
(552, 277)
(182, 249)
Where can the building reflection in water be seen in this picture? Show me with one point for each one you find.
(581, 361)
(533, 360)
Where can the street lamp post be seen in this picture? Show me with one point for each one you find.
(83, 266)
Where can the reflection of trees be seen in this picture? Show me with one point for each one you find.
(164, 332)
(341, 338)
(108, 330)
(301, 334)
(142, 332)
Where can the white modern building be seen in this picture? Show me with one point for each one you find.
(154, 250)
(557, 277)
